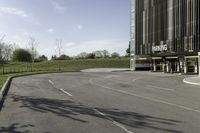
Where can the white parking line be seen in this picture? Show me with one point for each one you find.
(51, 82)
(117, 81)
(60, 89)
(114, 122)
(147, 98)
(161, 88)
(65, 92)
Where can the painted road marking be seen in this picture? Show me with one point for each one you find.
(112, 76)
(161, 88)
(135, 79)
(117, 81)
(188, 82)
(114, 122)
(51, 82)
(65, 92)
(60, 89)
(146, 98)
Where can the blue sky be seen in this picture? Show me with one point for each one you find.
(83, 25)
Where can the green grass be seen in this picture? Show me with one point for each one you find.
(3, 79)
(63, 66)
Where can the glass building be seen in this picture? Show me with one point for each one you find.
(167, 34)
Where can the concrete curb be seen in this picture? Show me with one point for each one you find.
(5, 87)
(99, 70)
(4, 90)
(188, 82)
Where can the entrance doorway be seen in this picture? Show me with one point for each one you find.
(172, 64)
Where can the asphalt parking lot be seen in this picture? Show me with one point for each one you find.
(108, 102)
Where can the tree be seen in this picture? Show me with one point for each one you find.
(53, 57)
(41, 58)
(105, 53)
(1, 56)
(128, 50)
(8, 49)
(91, 56)
(22, 55)
(82, 55)
(115, 55)
(1, 48)
(59, 47)
(59, 50)
(63, 57)
(98, 54)
(33, 43)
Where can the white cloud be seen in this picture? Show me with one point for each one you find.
(57, 6)
(17, 39)
(79, 27)
(20, 13)
(70, 44)
(26, 34)
(50, 30)
(14, 11)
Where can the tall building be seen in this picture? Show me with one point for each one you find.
(167, 34)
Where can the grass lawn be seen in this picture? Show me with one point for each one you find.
(63, 66)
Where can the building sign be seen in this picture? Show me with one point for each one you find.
(159, 48)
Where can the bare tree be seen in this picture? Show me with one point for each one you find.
(59, 47)
(1, 52)
(33, 44)
(82, 55)
(98, 54)
(1, 47)
(8, 49)
(106, 53)
(59, 50)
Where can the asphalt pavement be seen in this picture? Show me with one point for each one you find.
(101, 102)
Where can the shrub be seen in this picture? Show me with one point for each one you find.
(21, 55)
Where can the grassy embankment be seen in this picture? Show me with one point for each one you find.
(62, 66)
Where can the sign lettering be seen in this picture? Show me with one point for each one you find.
(159, 48)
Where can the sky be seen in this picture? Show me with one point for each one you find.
(82, 25)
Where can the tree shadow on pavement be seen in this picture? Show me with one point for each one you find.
(70, 109)
(14, 128)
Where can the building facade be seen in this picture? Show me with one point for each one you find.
(167, 34)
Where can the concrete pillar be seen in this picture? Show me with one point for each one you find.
(185, 66)
(196, 69)
(199, 62)
(154, 65)
(178, 67)
(167, 67)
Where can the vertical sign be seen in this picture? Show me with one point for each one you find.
(132, 42)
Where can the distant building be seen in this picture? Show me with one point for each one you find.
(167, 35)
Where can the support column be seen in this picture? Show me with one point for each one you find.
(178, 67)
(185, 66)
(199, 62)
(154, 65)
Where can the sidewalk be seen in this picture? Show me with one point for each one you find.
(192, 80)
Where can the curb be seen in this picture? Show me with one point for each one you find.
(5, 87)
(4, 90)
(100, 70)
(192, 83)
